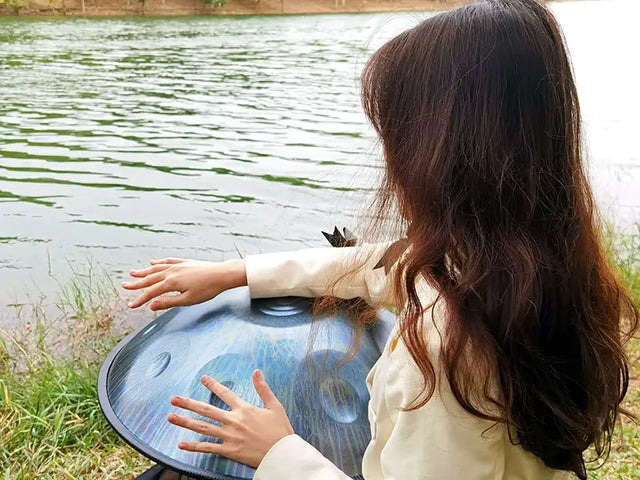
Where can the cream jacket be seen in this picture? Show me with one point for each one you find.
(439, 441)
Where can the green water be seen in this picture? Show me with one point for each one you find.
(128, 139)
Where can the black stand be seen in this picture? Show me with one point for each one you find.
(158, 472)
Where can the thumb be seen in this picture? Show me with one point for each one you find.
(268, 398)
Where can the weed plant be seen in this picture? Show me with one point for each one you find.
(51, 426)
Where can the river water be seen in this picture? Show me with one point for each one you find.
(123, 140)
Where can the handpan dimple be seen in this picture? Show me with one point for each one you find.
(222, 368)
(339, 400)
(140, 374)
(321, 387)
(159, 364)
(283, 307)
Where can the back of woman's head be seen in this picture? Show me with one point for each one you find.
(479, 120)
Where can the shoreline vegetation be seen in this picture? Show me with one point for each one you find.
(51, 426)
(110, 8)
(118, 8)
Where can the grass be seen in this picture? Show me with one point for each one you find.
(51, 426)
(624, 461)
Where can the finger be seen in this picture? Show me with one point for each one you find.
(169, 261)
(146, 271)
(200, 408)
(153, 292)
(145, 282)
(198, 426)
(222, 392)
(170, 301)
(267, 396)
(203, 447)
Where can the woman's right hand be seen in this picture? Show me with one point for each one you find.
(196, 281)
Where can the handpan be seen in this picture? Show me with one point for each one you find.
(307, 365)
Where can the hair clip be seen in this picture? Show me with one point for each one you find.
(337, 239)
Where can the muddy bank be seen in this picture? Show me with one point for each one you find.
(231, 7)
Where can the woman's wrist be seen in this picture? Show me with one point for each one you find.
(235, 273)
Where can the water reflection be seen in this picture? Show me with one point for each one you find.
(126, 139)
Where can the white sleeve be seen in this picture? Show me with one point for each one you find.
(438, 441)
(312, 273)
(424, 444)
(294, 459)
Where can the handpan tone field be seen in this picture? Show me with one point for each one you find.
(227, 338)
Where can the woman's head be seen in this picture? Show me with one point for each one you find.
(479, 120)
(478, 115)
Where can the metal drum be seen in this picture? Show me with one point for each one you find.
(306, 366)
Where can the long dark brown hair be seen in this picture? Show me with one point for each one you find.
(478, 116)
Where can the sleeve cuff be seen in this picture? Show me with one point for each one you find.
(277, 463)
(293, 458)
(260, 275)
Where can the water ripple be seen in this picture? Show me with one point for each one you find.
(207, 136)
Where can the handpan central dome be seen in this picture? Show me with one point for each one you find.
(227, 338)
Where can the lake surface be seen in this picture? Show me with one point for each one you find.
(123, 140)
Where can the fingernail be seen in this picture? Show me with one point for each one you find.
(171, 417)
(182, 445)
(130, 304)
(124, 284)
(153, 305)
(259, 374)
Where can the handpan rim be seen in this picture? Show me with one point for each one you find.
(126, 434)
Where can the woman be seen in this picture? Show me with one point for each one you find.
(507, 361)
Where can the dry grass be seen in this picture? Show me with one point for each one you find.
(51, 426)
(624, 461)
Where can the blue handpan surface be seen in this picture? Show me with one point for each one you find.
(308, 368)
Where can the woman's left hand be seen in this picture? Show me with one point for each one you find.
(247, 432)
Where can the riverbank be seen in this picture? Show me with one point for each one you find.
(51, 425)
(106, 8)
